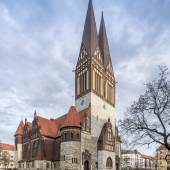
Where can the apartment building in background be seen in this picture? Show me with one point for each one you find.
(161, 163)
(132, 159)
(7, 156)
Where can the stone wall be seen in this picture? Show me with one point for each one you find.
(38, 165)
(101, 111)
(19, 152)
(102, 158)
(70, 155)
(88, 142)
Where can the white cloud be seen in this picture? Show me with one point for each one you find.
(37, 58)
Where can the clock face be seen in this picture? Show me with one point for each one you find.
(82, 102)
(104, 106)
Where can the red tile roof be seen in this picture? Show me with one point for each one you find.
(20, 128)
(72, 118)
(147, 157)
(47, 127)
(5, 146)
(60, 120)
(51, 127)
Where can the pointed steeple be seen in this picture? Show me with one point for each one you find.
(35, 114)
(90, 40)
(103, 42)
(20, 128)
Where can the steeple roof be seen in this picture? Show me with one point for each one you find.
(103, 42)
(20, 128)
(90, 39)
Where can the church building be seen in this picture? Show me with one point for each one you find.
(86, 137)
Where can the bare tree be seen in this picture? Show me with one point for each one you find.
(147, 120)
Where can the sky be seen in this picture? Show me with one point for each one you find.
(39, 46)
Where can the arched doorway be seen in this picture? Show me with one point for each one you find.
(86, 165)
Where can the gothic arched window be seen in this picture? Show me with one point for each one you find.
(109, 135)
(109, 163)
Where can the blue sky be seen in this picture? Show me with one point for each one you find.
(39, 46)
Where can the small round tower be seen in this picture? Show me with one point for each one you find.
(18, 141)
(70, 140)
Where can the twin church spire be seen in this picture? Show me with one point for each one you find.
(91, 40)
(94, 72)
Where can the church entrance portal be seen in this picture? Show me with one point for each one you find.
(86, 165)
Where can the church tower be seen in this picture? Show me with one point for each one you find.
(94, 72)
(95, 94)
(94, 76)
